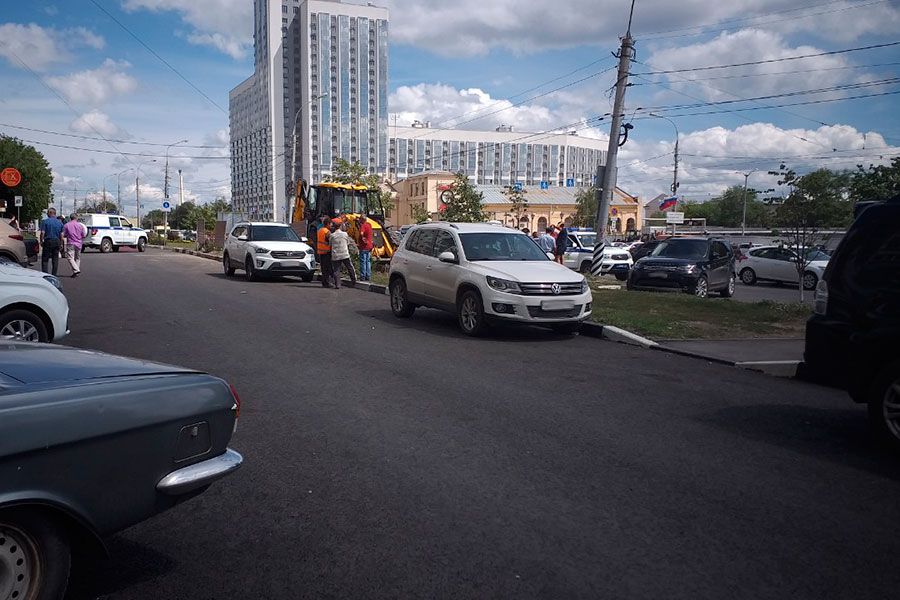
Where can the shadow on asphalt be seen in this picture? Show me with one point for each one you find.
(239, 278)
(130, 563)
(840, 436)
(443, 324)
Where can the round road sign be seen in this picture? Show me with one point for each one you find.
(10, 177)
(166, 205)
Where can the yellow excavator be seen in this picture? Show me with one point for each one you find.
(351, 203)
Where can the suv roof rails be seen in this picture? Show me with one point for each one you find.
(453, 225)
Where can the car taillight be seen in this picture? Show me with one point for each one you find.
(237, 404)
(821, 297)
(18, 236)
(93, 231)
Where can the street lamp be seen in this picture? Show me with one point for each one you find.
(294, 157)
(744, 211)
(675, 177)
(166, 183)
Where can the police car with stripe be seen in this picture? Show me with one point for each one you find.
(580, 249)
(111, 232)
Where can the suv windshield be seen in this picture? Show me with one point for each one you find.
(688, 249)
(500, 246)
(588, 240)
(274, 233)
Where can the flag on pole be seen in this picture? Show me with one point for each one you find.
(668, 203)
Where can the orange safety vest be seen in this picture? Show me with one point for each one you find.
(322, 245)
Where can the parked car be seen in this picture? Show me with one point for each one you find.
(852, 339)
(644, 249)
(485, 273)
(262, 249)
(580, 252)
(776, 263)
(91, 444)
(32, 305)
(696, 266)
(12, 244)
(111, 232)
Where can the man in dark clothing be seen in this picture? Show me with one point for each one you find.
(51, 241)
(562, 240)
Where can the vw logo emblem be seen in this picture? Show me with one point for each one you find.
(555, 289)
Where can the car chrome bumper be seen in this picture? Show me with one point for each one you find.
(200, 474)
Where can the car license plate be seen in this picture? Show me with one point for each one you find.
(290, 263)
(557, 304)
(658, 275)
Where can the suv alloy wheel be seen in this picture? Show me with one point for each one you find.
(701, 288)
(470, 313)
(400, 305)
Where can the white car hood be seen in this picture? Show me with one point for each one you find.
(283, 246)
(8, 271)
(525, 271)
(818, 264)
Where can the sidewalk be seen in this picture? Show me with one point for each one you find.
(775, 356)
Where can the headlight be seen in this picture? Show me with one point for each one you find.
(54, 281)
(687, 268)
(584, 286)
(261, 250)
(503, 285)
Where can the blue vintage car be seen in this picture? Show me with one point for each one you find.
(92, 443)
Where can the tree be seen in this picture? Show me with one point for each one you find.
(875, 183)
(37, 180)
(517, 200)
(184, 216)
(355, 174)
(419, 213)
(152, 218)
(463, 204)
(101, 206)
(209, 212)
(586, 207)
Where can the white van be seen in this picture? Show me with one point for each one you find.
(111, 232)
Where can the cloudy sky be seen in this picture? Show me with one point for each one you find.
(70, 71)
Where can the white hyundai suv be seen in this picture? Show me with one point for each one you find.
(32, 305)
(485, 273)
(267, 249)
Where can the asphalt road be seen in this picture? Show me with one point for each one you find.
(397, 459)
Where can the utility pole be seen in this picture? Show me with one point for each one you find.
(608, 186)
(744, 212)
(180, 188)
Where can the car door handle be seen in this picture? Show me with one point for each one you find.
(428, 268)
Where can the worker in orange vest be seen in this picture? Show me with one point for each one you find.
(323, 249)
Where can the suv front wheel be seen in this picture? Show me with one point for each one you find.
(470, 313)
(884, 405)
(400, 305)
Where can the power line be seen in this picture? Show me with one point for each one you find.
(773, 60)
(124, 154)
(154, 53)
(772, 73)
(88, 137)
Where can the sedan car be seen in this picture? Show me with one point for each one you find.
(32, 305)
(693, 265)
(779, 264)
(91, 444)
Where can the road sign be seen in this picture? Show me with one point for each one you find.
(570, 182)
(18, 200)
(10, 177)
(166, 206)
(517, 186)
(545, 185)
(674, 218)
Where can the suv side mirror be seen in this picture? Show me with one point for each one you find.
(304, 239)
(448, 257)
(242, 238)
(550, 255)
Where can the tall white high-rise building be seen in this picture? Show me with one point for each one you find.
(320, 66)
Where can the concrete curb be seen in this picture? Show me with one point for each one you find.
(776, 368)
(614, 334)
(207, 255)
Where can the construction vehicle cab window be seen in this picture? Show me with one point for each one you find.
(350, 203)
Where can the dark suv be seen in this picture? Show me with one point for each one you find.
(853, 339)
(696, 266)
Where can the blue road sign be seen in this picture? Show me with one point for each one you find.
(517, 186)
(166, 206)
(545, 185)
(570, 182)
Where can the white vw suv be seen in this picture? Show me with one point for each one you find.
(483, 273)
(267, 249)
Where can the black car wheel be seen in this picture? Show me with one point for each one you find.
(884, 406)
(106, 245)
(701, 288)
(24, 326)
(810, 280)
(227, 266)
(400, 305)
(249, 272)
(621, 276)
(34, 557)
(748, 276)
(470, 313)
(728, 292)
(142, 244)
(307, 277)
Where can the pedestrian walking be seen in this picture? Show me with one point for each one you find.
(74, 232)
(323, 249)
(546, 241)
(340, 255)
(51, 241)
(366, 244)
(562, 242)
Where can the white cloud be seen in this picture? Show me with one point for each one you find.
(42, 47)
(96, 122)
(225, 25)
(96, 86)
